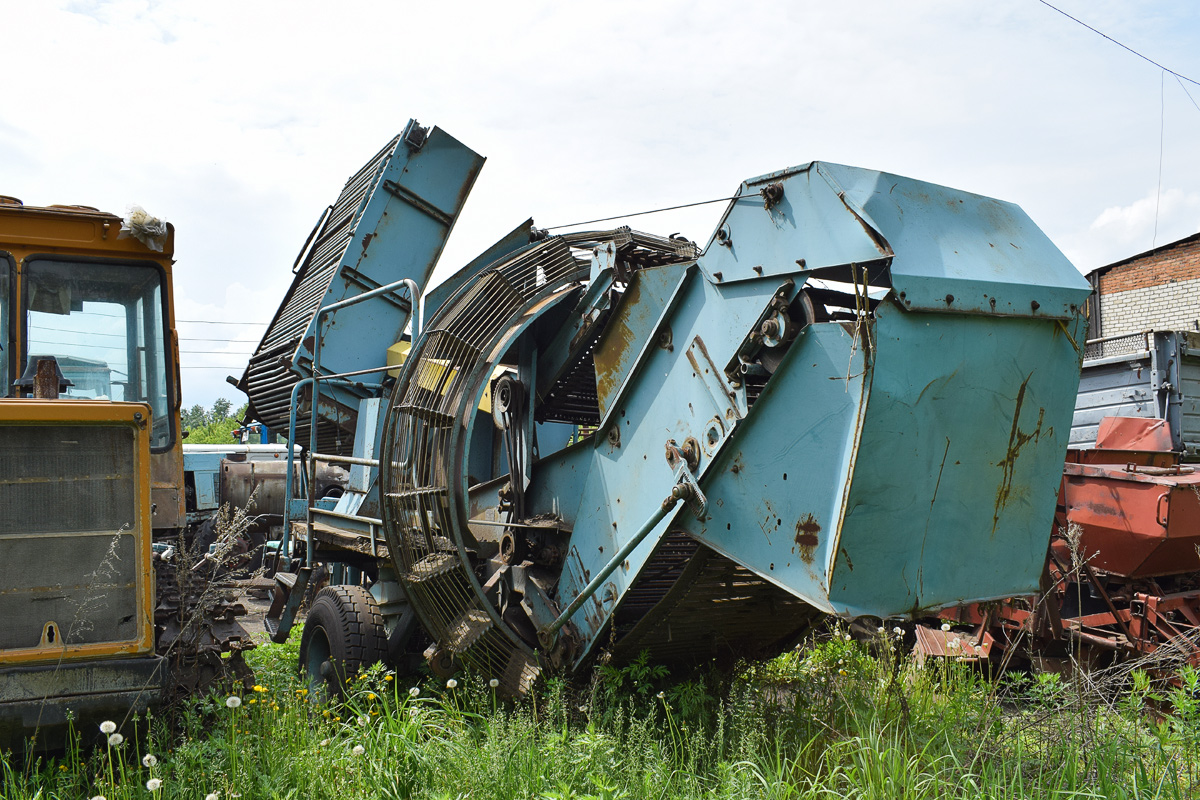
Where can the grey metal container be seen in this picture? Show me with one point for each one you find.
(1155, 374)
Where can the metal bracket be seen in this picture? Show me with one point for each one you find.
(695, 499)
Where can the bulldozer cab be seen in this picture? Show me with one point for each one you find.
(75, 290)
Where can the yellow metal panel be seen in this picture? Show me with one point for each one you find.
(135, 416)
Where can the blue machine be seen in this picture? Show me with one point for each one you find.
(855, 400)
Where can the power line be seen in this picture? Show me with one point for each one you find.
(1185, 91)
(1119, 44)
(643, 213)
(216, 322)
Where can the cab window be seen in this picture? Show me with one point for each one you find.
(104, 323)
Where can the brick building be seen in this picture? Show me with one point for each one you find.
(1155, 290)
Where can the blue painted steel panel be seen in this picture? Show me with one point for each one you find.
(953, 491)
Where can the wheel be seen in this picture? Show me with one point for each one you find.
(343, 634)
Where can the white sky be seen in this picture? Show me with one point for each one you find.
(239, 122)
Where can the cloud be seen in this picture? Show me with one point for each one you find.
(1119, 232)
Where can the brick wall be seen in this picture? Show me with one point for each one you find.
(1159, 291)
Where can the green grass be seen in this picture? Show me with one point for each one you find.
(839, 719)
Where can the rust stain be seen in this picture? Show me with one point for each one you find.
(806, 537)
(614, 343)
(1016, 440)
(849, 563)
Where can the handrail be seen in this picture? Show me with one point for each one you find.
(414, 318)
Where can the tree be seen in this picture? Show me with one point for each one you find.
(194, 417)
(220, 410)
(218, 431)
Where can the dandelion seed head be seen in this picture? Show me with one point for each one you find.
(945, 627)
(233, 701)
(898, 630)
(108, 726)
(661, 695)
(149, 760)
(362, 720)
(493, 683)
(212, 796)
(452, 684)
(154, 784)
(115, 739)
(358, 750)
(324, 743)
(414, 691)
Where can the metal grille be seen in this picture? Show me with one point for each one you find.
(68, 551)
(438, 392)
(714, 610)
(1116, 346)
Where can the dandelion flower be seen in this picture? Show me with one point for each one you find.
(371, 696)
(154, 784)
(358, 750)
(149, 760)
(258, 688)
(945, 627)
(493, 683)
(108, 726)
(115, 739)
(414, 691)
(233, 701)
(389, 678)
(251, 701)
(452, 684)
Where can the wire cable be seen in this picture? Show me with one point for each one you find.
(1119, 44)
(1185, 91)
(216, 322)
(651, 211)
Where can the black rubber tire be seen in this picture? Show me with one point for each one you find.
(343, 634)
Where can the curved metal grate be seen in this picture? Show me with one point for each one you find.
(423, 472)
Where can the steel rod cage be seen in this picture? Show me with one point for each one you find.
(457, 448)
